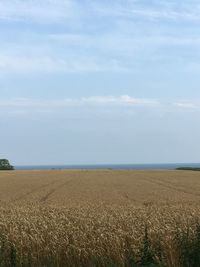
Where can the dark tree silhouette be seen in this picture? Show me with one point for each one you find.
(5, 165)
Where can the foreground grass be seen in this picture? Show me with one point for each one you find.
(100, 235)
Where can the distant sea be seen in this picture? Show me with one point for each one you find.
(109, 166)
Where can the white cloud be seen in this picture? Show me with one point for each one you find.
(121, 100)
(108, 101)
(104, 102)
(184, 104)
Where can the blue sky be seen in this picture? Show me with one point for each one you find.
(88, 82)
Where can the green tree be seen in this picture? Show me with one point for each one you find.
(5, 165)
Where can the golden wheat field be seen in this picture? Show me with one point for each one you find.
(112, 187)
(100, 218)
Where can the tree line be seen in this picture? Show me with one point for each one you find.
(5, 165)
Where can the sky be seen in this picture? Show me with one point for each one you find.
(99, 81)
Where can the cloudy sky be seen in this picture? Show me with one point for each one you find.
(99, 81)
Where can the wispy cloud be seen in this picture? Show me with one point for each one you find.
(106, 39)
(59, 10)
(104, 102)
(121, 100)
(88, 53)
(154, 10)
(93, 101)
(25, 64)
(46, 11)
(57, 64)
(185, 104)
(96, 36)
(124, 44)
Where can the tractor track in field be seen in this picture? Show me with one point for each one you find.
(53, 190)
(30, 192)
(39, 188)
(171, 186)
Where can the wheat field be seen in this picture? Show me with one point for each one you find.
(112, 187)
(100, 218)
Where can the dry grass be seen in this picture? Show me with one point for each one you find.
(99, 218)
